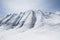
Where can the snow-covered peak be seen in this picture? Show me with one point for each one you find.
(30, 25)
(30, 19)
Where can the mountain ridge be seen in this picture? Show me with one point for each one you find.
(29, 19)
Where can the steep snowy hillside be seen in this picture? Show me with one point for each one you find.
(30, 25)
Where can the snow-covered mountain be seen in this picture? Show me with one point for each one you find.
(31, 21)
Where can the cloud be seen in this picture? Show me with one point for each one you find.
(11, 6)
(21, 5)
(57, 12)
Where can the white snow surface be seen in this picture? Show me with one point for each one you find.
(30, 25)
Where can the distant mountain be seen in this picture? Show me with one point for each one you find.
(30, 19)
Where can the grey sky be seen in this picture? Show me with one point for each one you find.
(11, 6)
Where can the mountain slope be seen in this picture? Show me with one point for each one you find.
(30, 25)
(30, 19)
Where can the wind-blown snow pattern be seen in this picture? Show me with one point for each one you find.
(30, 25)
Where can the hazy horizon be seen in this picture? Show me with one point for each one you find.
(11, 6)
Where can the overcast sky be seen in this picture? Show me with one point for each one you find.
(11, 6)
